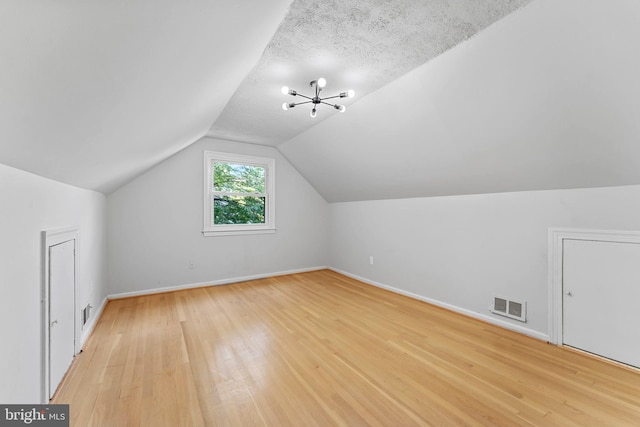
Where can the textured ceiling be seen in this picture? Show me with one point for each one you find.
(546, 98)
(94, 93)
(354, 44)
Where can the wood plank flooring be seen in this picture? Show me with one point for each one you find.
(321, 349)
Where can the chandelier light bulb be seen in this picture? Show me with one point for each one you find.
(285, 90)
(348, 94)
(285, 106)
(322, 82)
(313, 113)
(342, 108)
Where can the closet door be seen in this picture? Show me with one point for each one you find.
(61, 311)
(601, 298)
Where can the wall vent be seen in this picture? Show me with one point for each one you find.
(509, 307)
(86, 313)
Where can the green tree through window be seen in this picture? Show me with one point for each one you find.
(239, 193)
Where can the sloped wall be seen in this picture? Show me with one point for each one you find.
(31, 204)
(155, 227)
(545, 98)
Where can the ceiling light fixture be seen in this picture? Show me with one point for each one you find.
(315, 100)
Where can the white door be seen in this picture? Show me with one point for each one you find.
(61, 311)
(601, 298)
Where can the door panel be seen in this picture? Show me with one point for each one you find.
(601, 296)
(61, 311)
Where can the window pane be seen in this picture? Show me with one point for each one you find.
(238, 178)
(238, 210)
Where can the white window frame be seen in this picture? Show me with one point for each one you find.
(209, 229)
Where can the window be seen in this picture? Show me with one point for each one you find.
(239, 196)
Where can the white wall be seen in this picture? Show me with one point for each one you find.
(460, 250)
(155, 227)
(30, 204)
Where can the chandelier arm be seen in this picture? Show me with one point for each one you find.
(326, 103)
(302, 103)
(305, 96)
(330, 97)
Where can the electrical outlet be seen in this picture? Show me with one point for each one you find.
(371, 260)
(192, 266)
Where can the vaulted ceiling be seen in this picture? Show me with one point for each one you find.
(94, 92)
(546, 98)
(354, 44)
(452, 96)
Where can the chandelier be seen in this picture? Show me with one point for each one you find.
(317, 99)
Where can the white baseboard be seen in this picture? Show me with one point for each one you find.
(211, 283)
(88, 328)
(475, 315)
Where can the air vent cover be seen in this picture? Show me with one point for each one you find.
(86, 313)
(509, 307)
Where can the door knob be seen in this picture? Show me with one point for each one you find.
(54, 322)
(568, 293)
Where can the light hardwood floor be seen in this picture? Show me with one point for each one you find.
(321, 349)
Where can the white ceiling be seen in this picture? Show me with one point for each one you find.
(354, 44)
(546, 98)
(94, 93)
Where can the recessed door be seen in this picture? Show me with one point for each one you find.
(601, 296)
(61, 311)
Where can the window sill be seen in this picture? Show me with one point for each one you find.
(214, 233)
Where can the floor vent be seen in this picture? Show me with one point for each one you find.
(511, 308)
